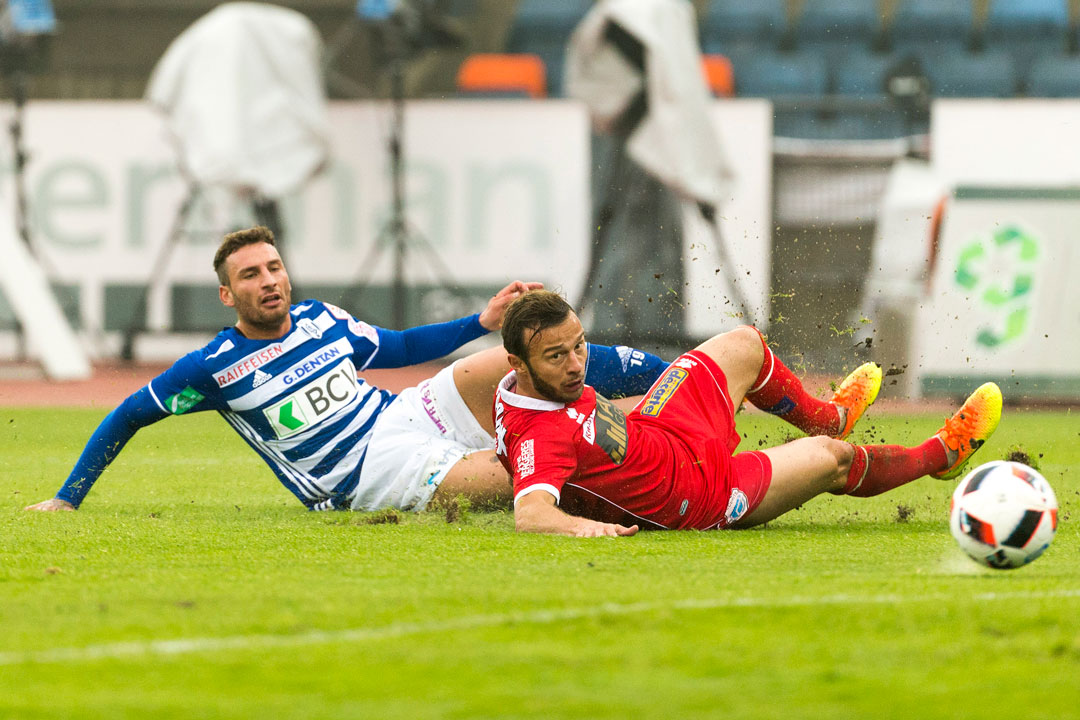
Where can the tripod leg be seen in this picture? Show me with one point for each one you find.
(602, 231)
(136, 323)
(708, 212)
(268, 214)
(352, 296)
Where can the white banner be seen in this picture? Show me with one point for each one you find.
(1006, 142)
(498, 189)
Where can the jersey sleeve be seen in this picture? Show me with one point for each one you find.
(399, 348)
(184, 387)
(376, 347)
(617, 371)
(543, 459)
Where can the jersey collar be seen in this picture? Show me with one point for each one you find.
(508, 396)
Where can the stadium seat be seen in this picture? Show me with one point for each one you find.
(1027, 28)
(502, 75)
(879, 123)
(780, 75)
(1054, 76)
(543, 27)
(737, 26)
(837, 26)
(719, 76)
(862, 76)
(861, 73)
(966, 74)
(927, 28)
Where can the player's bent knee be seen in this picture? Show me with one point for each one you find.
(742, 347)
(839, 453)
(829, 458)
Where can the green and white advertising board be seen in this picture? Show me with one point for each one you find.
(1003, 302)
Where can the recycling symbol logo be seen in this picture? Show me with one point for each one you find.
(998, 272)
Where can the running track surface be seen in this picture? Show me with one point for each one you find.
(24, 386)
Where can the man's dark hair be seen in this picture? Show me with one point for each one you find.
(535, 310)
(233, 242)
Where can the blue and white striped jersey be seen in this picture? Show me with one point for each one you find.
(297, 401)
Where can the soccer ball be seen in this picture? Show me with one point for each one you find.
(1003, 514)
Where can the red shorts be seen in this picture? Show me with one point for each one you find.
(702, 416)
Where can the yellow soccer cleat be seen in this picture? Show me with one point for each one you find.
(857, 392)
(968, 430)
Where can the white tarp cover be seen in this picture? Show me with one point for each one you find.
(901, 251)
(676, 141)
(243, 91)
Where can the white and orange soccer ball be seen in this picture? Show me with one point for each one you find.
(1003, 514)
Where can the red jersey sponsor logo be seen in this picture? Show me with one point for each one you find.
(248, 365)
(526, 464)
(662, 391)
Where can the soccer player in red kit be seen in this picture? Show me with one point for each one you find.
(581, 467)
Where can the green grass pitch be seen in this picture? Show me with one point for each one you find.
(191, 585)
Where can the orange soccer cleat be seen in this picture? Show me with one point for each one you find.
(856, 393)
(971, 426)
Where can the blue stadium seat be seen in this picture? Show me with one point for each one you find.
(965, 74)
(780, 74)
(732, 27)
(862, 73)
(931, 27)
(836, 26)
(876, 124)
(1027, 28)
(1054, 76)
(557, 16)
(543, 27)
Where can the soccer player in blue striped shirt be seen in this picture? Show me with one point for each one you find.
(286, 378)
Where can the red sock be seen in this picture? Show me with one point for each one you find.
(779, 392)
(878, 468)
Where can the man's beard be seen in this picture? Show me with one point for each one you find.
(549, 391)
(266, 320)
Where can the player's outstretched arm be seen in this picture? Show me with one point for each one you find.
(137, 411)
(537, 513)
(491, 317)
(400, 348)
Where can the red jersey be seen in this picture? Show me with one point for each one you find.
(666, 465)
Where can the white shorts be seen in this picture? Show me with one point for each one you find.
(416, 440)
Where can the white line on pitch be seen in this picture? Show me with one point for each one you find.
(183, 646)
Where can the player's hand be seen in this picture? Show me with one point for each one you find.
(51, 505)
(492, 316)
(599, 529)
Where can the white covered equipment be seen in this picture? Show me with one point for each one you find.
(243, 91)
